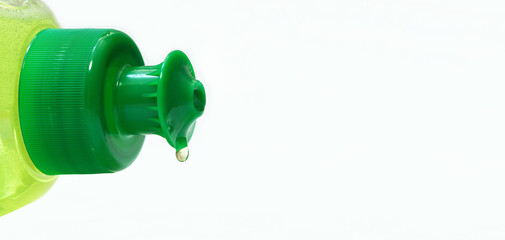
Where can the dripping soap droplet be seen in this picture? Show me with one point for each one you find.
(182, 154)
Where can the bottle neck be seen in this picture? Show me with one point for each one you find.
(136, 100)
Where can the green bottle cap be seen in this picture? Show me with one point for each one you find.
(86, 100)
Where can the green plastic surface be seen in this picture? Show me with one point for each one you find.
(164, 99)
(86, 100)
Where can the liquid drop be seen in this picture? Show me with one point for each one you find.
(182, 154)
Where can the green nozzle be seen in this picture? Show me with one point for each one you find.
(86, 100)
(165, 99)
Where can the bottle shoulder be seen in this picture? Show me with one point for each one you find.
(20, 182)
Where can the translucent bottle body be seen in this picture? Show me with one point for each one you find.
(20, 181)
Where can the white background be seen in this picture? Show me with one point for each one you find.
(345, 119)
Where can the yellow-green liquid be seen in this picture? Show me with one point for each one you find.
(20, 182)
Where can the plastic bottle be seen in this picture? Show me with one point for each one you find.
(79, 101)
